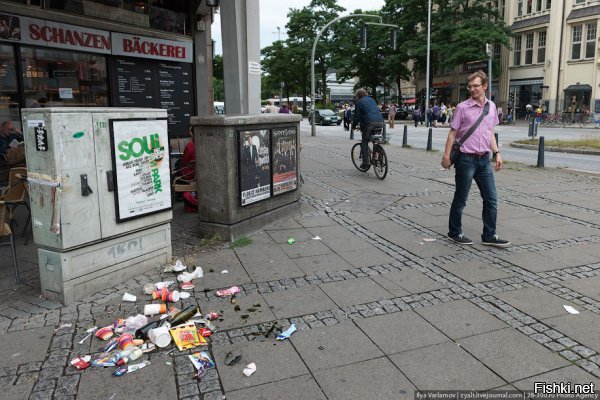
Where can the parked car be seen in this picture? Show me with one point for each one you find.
(401, 113)
(325, 117)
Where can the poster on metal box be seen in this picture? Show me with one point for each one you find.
(141, 167)
(285, 171)
(254, 166)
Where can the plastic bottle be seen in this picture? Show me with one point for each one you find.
(132, 356)
(184, 315)
(119, 355)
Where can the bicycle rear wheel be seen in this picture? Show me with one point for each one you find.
(357, 158)
(380, 162)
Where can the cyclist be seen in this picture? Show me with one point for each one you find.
(368, 115)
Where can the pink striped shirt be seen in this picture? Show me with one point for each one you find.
(465, 115)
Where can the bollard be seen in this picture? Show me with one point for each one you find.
(497, 144)
(405, 137)
(430, 139)
(540, 163)
(351, 133)
(384, 133)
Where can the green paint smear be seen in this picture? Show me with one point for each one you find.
(78, 135)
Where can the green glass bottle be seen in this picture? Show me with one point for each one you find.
(184, 315)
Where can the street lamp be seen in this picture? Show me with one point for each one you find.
(428, 56)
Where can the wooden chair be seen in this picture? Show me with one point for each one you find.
(5, 231)
(185, 182)
(16, 195)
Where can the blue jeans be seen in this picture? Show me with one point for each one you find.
(468, 168)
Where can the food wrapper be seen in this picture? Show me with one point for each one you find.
(103, 361)
(201, 360)
(187, 337)
(81, 362)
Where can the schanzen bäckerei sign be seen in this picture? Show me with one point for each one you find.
(141, 165)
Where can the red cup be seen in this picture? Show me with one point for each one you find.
(160, 294)
(105, 333)
(126, 341)
(172, 297)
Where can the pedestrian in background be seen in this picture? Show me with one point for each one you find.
(284, 109)
(271, 109)
(473, 161)
(392, 115)
(417, 115)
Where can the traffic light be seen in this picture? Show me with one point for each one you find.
(394, 39)
(363, 37)
(511, 96)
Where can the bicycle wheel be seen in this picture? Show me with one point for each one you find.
(380, 162)
(357, 157)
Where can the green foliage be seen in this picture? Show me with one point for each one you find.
(218, 89)
(218, 67)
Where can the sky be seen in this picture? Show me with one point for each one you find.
(273, 14)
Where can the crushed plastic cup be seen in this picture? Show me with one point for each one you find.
(184, 295)
(135, 322)
(129, 297)
(105, 333)
(172, 297)
(165, 284)
(287, 333)
(178, 267)
(250, 369)
(185, 277)
(149, 288)
(126, 341)
(159, 294)
(228, 292)
(154, 309)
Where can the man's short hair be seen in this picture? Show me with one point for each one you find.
(478, 74)
(361, 93)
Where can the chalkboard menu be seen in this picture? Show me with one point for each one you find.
(175, 94)
(141, 83)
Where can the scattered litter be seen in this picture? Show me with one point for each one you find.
(110, 346)
(126, 341)
(81, 362)
(224, 271)
(103, 361)
(169, 352)
(428, 239)
(201, 361)
(63, 326)
(316, 238)
(184, 295)
(129, 297)
(287, 333)
(186, 337)
(168, 363)
(571, 310)
(130, 368)
(187, 286)
(228, 292)
(211, 316)
(160, 336)
(165, 284)
(347, 201)
(119, 325)
(153, 309)
(178, 267)
(250, 369)
(148, 347)
(134, 323)
(105, 333)
(15, 355)
(291, 241)
(204, 332)
(321, 348)
(90, 331)
(231, 358)
(185, 277)
(149, 288)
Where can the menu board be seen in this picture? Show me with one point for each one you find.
(134, 83)
(143, 83)
(140, 161)
(176, 94)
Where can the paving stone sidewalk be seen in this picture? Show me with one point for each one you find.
(384, 303)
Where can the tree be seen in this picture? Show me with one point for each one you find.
(218, 86)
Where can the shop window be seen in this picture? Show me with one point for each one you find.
(538, 5)
(59, 78)
(548, 4)
(590, 43)
(529, 49)
(576, 42)
(541, 52)
(9, 91)
(517, 51)
(71, 6)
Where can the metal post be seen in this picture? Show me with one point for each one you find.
(405, 137)
(540, 161)
(313, 129)
(428, 56)
(430, 139)
(490, 53)
(384, 133)
(351, 133)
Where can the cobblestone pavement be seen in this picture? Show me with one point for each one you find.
(384, 303)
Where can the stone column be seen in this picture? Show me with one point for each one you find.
(203, 50)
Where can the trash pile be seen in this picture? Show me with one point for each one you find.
(127, 340)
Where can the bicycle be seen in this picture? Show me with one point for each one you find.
(377, 157)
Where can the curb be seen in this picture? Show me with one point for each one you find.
(556, 149)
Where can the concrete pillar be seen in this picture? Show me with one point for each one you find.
(241, 55)
(203, 50)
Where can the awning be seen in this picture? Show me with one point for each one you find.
(409, 101)
(578, 88)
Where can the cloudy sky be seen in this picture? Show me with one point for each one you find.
(273, 14)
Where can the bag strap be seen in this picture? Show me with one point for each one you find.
(486, 110)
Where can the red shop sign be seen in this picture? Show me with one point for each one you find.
(147, 47)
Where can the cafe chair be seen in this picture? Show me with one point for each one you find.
(16, 195)
(5, 232)
(184, 182)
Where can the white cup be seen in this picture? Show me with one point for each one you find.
(129, 297)
(160, 336)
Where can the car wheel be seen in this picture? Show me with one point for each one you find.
(322, 123)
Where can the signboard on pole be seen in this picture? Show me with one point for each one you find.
(140, 161)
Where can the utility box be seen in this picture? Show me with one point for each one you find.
(99, 187)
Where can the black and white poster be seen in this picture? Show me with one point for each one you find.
(254, 166)
(285, 159)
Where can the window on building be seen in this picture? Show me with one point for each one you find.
(529, 49)
(520, 8)
(590, 42)
(62, 78)
(529, 6)
(541, 53)
(579, 1)
(517, 51)
(9, 91)
(576, 42)
(538, 5)
(548, 4)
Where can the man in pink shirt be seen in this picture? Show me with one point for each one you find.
(473, 162)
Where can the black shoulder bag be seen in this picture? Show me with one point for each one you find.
(456, 145)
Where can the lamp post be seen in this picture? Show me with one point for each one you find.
(489, 52)
(427, 77)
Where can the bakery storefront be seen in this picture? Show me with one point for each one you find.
(50, 64)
